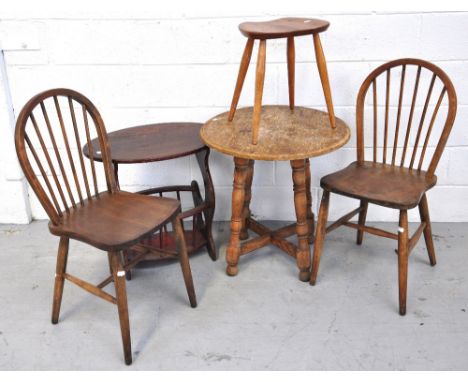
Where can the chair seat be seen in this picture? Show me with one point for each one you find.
(113, 222)
(285, 27)
(390, 186)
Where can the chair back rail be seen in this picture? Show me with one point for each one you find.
(49, 134)
(411, 137)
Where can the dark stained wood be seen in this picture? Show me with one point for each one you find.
(284, 27)
(110, 220)
(60, 270)
(152, 143)
(184, 261)
(393, 185)
(164, 141)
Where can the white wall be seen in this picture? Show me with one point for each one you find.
(180, 62)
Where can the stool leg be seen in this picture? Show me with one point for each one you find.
(244, 234)
(238, 195)
(259, 81)
(310, 214)
(302, 229)
(244, 65)
(322, 68)
(203, 163)
(291, 55)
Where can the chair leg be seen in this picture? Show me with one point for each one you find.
(244, 65)
(184, 261)
(322, 68)
(118, 274)
(259, 81)
(291, 56)
(403, 259)
(361, 221)
(320, 235)
(60, 269)
(244, 234)
(424, 214)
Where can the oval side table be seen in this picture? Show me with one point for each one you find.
(285, 134)
(160, 142)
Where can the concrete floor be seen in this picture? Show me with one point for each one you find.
(262, 319)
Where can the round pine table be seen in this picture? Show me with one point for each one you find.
(161, 142)
(284, 134)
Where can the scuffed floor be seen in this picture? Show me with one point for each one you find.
(263, 319)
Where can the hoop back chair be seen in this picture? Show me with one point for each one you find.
(68, 188)
(400, 169)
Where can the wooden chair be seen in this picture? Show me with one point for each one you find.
(395, 177)
(288, 28)
(67, 186)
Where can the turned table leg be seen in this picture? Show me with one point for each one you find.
(302, 229)
(310, 214)
(202, 159)
(247, 198)
(238, 195)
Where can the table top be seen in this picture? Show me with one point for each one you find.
(151, 143)
(284, 134)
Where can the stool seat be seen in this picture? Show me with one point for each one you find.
(284, 27)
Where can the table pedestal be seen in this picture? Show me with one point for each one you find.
(241, 221)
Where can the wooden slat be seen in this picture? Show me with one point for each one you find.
(374, 92)
(90, 288)
(400, 102)
(78, 145)
(67, 146)
(90, 148)
(51, 167)
(284, 245)
(372, 230)
(342, 220)
(57, 154)
(431, 125)
(387, 102)
(421, 121)
(410, 118)
(42, 171)
(291, 59)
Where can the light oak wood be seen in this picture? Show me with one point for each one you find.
(244, 66)
(259, 81)
(323, 72)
